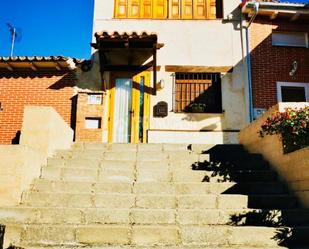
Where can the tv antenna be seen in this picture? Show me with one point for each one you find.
(15, 36)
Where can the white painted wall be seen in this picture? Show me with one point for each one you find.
(191, 42)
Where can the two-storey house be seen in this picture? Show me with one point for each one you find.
(171, 71)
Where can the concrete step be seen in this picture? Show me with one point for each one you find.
(162, 174)
(180, 188)
(87, 174)
(71, 200)
(247, 236)
(273, 201)
(155, 201)
(149, 235)
(162, 247)
(241, 176)
(201, 217)
(189, 175)
(257, 188)
(80, 146)
(79, 162)
(45, 185)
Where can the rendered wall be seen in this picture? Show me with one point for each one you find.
(44, 130)
(191, 42)
(43, 133)
(19, 165)
(293, 167)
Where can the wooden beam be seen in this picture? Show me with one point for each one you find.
(57, 66)
(125, 68)
(198, 69)
(295, 17)
(109, 47)
(33, 67)
(154, 66)
(8, 66)
(274, 15)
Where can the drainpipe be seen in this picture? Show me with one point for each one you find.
(256, 10)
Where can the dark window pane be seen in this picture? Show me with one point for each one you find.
(293, 94)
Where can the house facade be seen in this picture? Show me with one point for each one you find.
(167, 71)
(171, 71)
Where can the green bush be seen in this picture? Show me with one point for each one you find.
(292, 125)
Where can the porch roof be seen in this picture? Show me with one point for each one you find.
(127, 51)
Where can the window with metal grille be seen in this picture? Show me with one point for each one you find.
(197, 92)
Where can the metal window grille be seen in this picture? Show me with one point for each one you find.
(197, 92)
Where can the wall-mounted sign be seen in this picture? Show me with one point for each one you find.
(160, 109)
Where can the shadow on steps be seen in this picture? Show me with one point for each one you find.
(273, 201)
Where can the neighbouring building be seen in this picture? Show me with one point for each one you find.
(45, 81)
(279, 54)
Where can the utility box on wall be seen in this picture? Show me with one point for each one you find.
(160, 110)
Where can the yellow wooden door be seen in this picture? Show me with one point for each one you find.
(140, 107)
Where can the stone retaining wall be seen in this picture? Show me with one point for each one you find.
(293, 167)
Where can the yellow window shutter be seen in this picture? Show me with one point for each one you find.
(160, 9)
(134, 9)
(187, 9)
(174, 9)
(146, 9)
(120, 8)
(200, 9)
(211, 9)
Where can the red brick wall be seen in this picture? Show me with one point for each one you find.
(21, 88)
(272, 63)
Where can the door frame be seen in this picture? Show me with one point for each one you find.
(135, 97)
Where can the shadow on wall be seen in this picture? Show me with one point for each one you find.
(270, 201)
(68, 80)
(16, 139)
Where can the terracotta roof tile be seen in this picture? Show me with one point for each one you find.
(125, 35)
(33, 58)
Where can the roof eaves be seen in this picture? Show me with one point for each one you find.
(276, 6)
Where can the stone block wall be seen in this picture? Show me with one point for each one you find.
(292, 167)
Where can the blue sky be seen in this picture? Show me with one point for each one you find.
(49, 27)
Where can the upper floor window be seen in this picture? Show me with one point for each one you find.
(290, 39)
(168, 9)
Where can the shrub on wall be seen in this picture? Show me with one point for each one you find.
(292, 125)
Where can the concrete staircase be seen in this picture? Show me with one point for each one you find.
(157, 196)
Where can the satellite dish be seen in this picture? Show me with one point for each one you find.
(15, 36)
